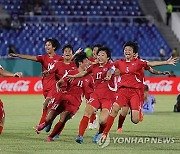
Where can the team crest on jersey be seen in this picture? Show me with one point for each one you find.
(105, 69)
(86, 80)
(50, 66)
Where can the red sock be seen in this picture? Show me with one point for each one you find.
(57, 129)
(43, 116)
(109, 124)
(102, 127)
(60, 130)
(1, 128)
(83, 125)
(121, 121)
(92, 118)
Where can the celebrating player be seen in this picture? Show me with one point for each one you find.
(102, 96)
(48, 61)
(68, 101)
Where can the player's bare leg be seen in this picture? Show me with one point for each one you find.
(135, 116)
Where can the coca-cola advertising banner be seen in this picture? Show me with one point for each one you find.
(33, 85)
(25, 85)
(163, 85)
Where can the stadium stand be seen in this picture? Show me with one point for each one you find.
(33, 31)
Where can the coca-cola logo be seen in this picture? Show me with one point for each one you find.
(162, 86)
(178, 87)
(38, 86)
(20, 85)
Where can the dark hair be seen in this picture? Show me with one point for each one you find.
(146, 88)
(79, 58)
(132, 44)
(105, 49)
(55, 43)
(68, 46)
(97, 45)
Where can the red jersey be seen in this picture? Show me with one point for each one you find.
(92, 59)
(60, 69)
(89, 84)
(47, 64)
(130, 72)
(77, 87)
(100, 85)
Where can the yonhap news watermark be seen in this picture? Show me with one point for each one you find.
(135, 140)
(143, 140)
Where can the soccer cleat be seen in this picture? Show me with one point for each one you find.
(102, 138)
(79, 139)
(56, 136)
(96, 137)
(119, 130)
(49, 139)
(141, 116)
(37, 130)
(48, 128)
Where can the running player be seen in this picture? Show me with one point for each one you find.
(61, 68)
(67, 102)
(102, 96)
(48, 62)
(170, 61)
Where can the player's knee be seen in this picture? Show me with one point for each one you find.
(135, 120)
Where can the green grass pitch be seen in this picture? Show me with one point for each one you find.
(23, 112)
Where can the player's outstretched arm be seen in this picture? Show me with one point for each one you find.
(78, 51)
(170, 61)
(153, 71)
(28, 57)
(79, 75)
(9, 74)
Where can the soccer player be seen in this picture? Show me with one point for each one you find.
(149, 101)
(170, 61)
(94, 50)
(48, 62)
(93, 123)
(101, 98)
(61, 68)
(128, 94)
(2, 112)
(67, 102)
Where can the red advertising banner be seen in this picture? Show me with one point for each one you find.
(163, 85)
(33, 85)
(25, 85)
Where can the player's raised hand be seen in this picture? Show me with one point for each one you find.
(108, 75)
(12, 55)
(18, 74)
(172, 61)
(79, 50)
